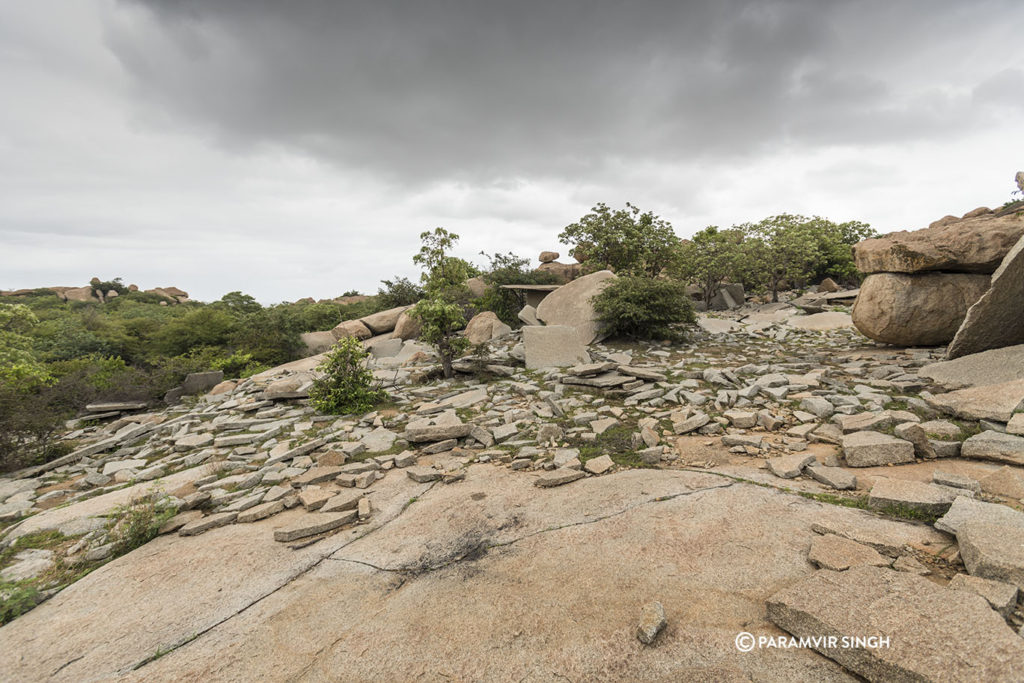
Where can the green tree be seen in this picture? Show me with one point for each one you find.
(399, 292)
(443, 274)
(508, 269)
(442, 313)
(625, 240)
(346, 386)
(237, 302)
(644, 308)
(19, 368)
(441, 321)
(206, 326)
(783, 248)
(835, 244)
(711, 257)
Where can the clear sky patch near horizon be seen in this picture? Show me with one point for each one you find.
(298, 149)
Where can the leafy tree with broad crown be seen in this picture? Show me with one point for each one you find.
(709, 258)
(625, 240)
(19, 367)
(780, 248)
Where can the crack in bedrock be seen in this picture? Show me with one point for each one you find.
(288, 581)
(472, 554)
(474, 550)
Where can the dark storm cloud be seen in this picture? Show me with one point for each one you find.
(480, 91)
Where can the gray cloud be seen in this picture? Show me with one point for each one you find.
(479, 91)
(298, 148)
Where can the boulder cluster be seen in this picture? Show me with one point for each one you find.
(95, 293)
(920, 284)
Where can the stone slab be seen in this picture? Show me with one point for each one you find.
(989, 402)
(553, 346)
(995, 320)
(926, 625)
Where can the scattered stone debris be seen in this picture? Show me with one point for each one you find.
(769, 396)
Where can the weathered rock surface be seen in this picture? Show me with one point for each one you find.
(790, 466)
(446, 425)
(969, 245)
(260, 628)
(1001, 596)
(910, 495)
(484, 327)
(995, 320)
(870, 449)
(317, 342)
(652, 621)
(553, 346)
(993, 551)
(988, 367)
(351, 328)
(924, 623)
(570, 305)
(384, 321)
(989, 402)
(407, 327)
(836, 477)
(965, 510)
(915, 310)
(201, 382)
(827, 320)
(313, 524)
(995, 446)
(839, 554)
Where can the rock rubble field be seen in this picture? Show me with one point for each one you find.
(556, 511)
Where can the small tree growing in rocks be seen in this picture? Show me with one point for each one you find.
(347, 386)
(712, 257)
(441, 322)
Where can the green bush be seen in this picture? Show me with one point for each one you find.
(644, 308)
(508, 269)
(347, 386)
(398, 292)
(139, 522)
(441, 322)
(16, 598)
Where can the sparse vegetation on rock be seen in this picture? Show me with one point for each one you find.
(346, 385)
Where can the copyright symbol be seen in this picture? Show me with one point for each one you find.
(745, 642)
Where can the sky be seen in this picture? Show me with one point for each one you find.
(293, 149)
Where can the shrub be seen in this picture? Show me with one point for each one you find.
(441, 322)
(398, 292)
(140, 521)
(347, 385)
(443, 275)
(16, 598)
(116, 285)
(27, 427)
(643, 308)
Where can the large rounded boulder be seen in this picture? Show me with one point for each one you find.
(975, 243)
(923, 309)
